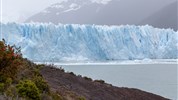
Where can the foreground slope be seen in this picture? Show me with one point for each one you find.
(92, 90)
(72, 42)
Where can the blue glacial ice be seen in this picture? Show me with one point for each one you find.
(72, 42)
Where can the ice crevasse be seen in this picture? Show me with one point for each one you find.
(73, 42)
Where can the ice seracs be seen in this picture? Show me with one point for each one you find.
(73, 42)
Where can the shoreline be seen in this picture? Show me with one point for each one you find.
(122, 62)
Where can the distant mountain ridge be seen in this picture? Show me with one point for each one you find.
(116, 12)
(166, 17)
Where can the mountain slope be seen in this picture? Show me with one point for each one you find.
(116, 12)
(162, 17)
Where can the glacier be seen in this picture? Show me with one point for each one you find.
(72, 42)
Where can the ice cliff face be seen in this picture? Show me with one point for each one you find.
(49, 42)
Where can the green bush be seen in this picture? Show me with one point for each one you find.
(41, 84)
(56, 96)
(8, 81)
(28, 89)
(36, 72)
(2, 78)
(81, 98)
(11, 91)
(2, 87)
(39, 66)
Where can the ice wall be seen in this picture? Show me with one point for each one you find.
(49, 42)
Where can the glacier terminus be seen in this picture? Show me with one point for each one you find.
(73, 42)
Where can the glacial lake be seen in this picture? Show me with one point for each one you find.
(160, 79)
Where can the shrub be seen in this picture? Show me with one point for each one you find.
(87, 78)
(61, 69)
(2, 87)
(100, 81)
(9, 60)
(36, 72)
(71, 73)
(41, 84)
(11, 91)
(8, 81)
(56, 96)
(81, 98)
(8, 54)
(2, 78)
(39, 66)
(79, 75)
(28, 89)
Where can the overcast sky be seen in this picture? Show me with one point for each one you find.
(19, 10)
